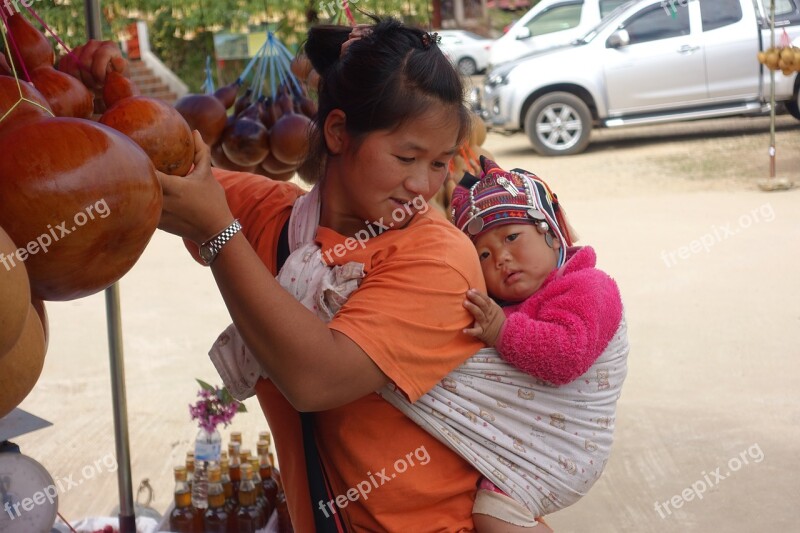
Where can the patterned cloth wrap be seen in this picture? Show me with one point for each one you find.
(543, 445)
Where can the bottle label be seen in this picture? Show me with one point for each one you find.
(207, 451)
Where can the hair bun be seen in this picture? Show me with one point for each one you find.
(324, 46)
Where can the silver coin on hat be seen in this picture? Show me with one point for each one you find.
(475, 226)
(536, 214)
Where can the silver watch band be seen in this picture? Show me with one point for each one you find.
(211, 248)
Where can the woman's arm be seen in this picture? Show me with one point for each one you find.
(316, 368)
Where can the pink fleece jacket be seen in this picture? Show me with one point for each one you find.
(560, 330)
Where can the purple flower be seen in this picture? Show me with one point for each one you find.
(215, 407)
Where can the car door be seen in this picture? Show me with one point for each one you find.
(555, 25)
(661, 67)
(727, 38)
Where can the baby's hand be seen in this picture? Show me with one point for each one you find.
(489, 317)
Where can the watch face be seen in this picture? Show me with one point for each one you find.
(206, 254)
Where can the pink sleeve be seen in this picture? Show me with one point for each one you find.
(559, 332)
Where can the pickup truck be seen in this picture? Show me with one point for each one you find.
(649, 61)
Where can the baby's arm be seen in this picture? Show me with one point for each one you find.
(558, 333)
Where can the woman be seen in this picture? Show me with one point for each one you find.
(390, 119)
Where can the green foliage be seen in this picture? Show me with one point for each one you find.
(181, 31)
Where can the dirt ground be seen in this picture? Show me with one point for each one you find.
(709, 417)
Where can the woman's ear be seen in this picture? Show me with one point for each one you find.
(335, 131)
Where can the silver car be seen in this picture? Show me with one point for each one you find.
(468, 51)
(650, 61)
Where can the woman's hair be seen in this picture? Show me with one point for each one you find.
(389, 76)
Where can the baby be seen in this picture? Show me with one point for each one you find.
(533, 412)
(551, 314)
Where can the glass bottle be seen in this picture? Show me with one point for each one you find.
(215, 518)
(269, 485)
(236, 436)
(267, 436)
(227, 488)
(189, 468)
(247, 516)
(284, 520)
(182, 517)
(233, 468)
(206, 453)
(264, 509)
(244, 456)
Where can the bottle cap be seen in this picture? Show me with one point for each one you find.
(245, 454)
(233, 448)
(255, 463)
(262, 447)
(236, 436)
(180, 473)
(247, 471)
(265, 435)
(223, 464)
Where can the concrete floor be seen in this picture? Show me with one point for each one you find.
(711, 400)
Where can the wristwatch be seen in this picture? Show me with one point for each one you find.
(211, 248)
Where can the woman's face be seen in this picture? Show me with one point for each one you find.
(515, 260)
(388, 176)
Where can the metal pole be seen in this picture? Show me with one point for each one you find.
(127, 518)
(772, 94)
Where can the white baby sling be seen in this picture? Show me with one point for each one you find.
(545, 446)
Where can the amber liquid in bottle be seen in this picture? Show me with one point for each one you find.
(284, 520)
(234, 468)
(264, 509)
(247, 516)
(182, 517)
(268, 483)
(216, 518)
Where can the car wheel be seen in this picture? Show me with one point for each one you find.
(559, 124)
(467, 66)
(794, 106)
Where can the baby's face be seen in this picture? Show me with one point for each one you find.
(515, 260)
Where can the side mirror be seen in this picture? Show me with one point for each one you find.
(618, 39)
(523, 33)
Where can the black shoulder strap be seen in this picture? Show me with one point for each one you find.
(318, 485)
(283, 246)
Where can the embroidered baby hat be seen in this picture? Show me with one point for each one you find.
(501, 197)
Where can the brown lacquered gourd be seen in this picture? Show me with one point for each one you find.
(88, 188)
(34, 48)
(243, 102)
(272, 166)
(205, 114)
(227, 94)
(301, 67)
(24, 111)
(220, 160)
(246, 141)
(117, 88)
(21, 367)
(156, 127)
(289, 138)
(15, 294)
(67, 96)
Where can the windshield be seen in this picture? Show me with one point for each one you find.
(607, 20)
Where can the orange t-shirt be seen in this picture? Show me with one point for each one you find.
(407, 315)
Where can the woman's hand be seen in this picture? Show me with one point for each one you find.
(195, 206)
(489, 317)
(91, 62)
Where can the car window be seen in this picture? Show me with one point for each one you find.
(784, 7)
(557, 18)
(721, 13)
(653, 23)
(607, 6)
